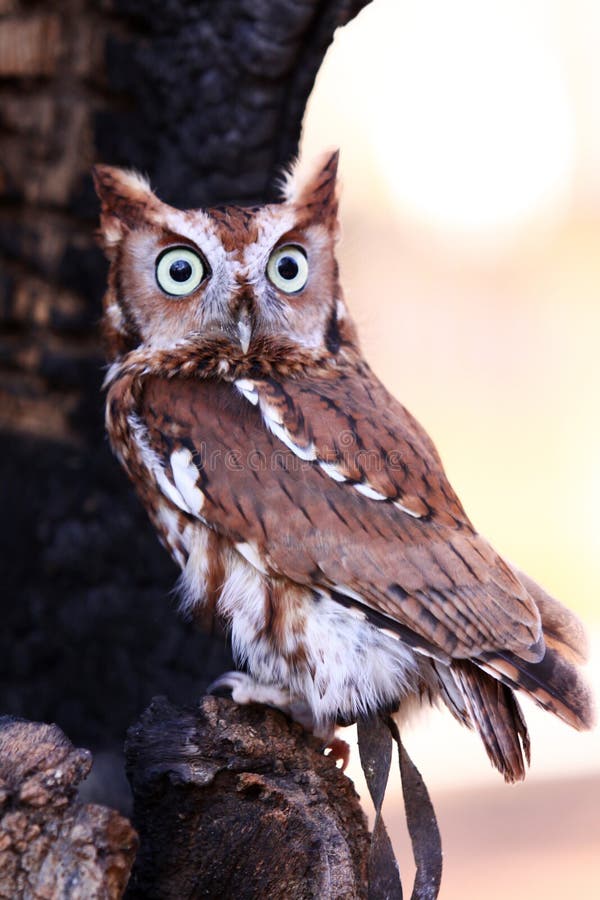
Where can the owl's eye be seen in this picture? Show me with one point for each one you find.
(288, 268)
(179, 271)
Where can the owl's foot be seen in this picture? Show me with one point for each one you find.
(339, 750)
(243, 689)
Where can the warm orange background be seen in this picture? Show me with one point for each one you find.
(470, 138)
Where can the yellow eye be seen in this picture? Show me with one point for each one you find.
(288, 268)
(179, 271)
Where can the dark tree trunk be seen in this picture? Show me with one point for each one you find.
(207, 98)
(230, 801)
(240, 802)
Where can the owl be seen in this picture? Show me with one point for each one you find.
(308, 510)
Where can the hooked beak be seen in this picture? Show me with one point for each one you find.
(244, 328)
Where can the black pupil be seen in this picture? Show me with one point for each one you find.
(287, 267)
(180, 270)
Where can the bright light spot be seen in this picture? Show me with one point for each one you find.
(481, 136)
(464, 106)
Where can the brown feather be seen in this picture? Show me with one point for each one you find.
(554, 683)
(464, 600)
(563, 631)
(496, 715)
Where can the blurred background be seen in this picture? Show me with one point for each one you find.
(470, 139)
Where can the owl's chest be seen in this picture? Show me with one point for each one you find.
(285, 634)
(209, 459)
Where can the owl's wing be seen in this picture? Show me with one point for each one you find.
(420, 572)
(271, 471)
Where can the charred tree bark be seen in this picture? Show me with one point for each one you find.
(240, 802)
(207, 98)
(51, 844)
(230, 802)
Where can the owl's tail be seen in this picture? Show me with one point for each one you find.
(483, 690)
(494, 711)
(555, 682)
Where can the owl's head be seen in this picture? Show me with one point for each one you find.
(239, 273)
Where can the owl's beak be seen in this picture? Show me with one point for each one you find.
(244, 327)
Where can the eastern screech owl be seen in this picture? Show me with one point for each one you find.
(307, 509)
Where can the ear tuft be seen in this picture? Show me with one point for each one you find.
(315, 189)
(126, 200)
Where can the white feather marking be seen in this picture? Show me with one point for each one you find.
(271, 414)
(193, 578)
(114, 370)
(390, 633)
(242, 604)
(405, 509)
(169, 520)
(430, 655)
(186, 475)
(307, 453)
(348, 592)
(169, 489)
(252, 556)
(244, 334)
(332, 470)
(153, 464)
(370, 492)
(248, 389)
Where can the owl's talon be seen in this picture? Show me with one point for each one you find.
(243, 689)
(224, 685)
(220, 688)
(340, 751)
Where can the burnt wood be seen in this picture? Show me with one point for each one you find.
(52, 844)
(207, 99)
(240, 802)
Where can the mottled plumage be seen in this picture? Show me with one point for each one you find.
(307, 508)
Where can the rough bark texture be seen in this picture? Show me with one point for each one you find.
(207, 98)
(239, 802)
(51, 844)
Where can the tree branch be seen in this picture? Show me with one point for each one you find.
(238, 801)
